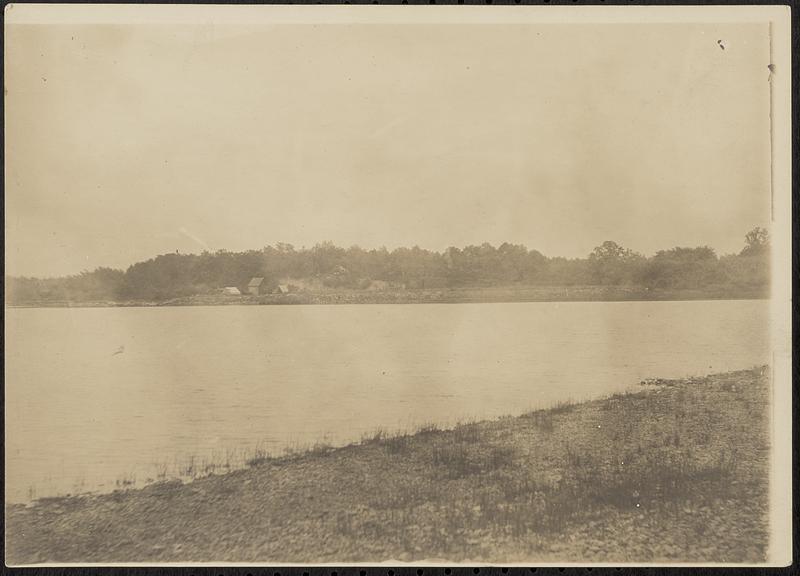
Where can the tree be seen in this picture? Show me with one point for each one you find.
(756, 242)
(609, 264)
(610, 250)
(612, 264)
(683, 268)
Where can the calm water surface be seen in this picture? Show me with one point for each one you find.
(97, 397)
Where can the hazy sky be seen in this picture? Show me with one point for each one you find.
(123, 142)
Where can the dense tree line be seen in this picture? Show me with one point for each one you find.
(326, 265)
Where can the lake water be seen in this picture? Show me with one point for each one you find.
(99, 397)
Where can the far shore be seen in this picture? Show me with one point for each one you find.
(674, 472)
(487, 294)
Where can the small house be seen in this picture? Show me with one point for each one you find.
(256, 286)
(231, 291)
(282, 289)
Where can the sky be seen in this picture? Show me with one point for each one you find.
(128, 141)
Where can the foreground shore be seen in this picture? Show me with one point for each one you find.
(676, 472)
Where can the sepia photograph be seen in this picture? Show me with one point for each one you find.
(429, 285)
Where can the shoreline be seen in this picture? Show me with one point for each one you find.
(677, 471)
(499, 294)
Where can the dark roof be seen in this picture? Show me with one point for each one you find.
(255, 282)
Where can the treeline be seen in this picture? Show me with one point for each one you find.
(329, 266)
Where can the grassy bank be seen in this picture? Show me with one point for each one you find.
(675, 472)
(513, 293)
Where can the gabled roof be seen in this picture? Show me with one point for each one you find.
(255, 282)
